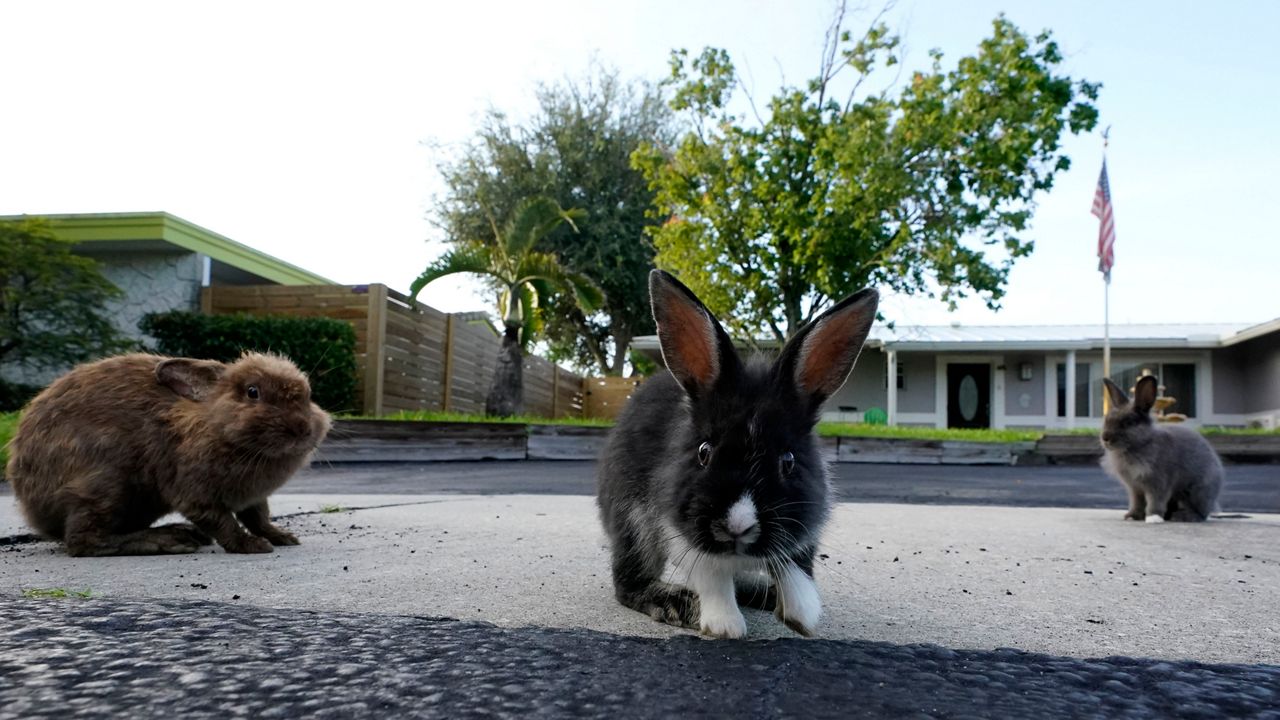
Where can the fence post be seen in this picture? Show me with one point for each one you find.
(446, 388)
(375, 355)
(555, 391)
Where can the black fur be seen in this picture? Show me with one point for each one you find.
(654, 494)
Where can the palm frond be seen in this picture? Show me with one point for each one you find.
(543, 288)
(545, 272)
(533, 220)
(476, 260)
(589, 295)
(531, 323)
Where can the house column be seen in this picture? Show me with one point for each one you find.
(1071, 389)
(891, 387)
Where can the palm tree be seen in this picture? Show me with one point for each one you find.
(526, 279)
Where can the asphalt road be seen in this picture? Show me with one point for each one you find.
(1249, 488)
(210, 660)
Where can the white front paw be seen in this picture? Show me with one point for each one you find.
(798, 603)
(1154, 519)
(723, 622)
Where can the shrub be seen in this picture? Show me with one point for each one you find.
(13, 396)
(322, 347)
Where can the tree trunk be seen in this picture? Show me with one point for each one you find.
(506, 395)
(621, 344)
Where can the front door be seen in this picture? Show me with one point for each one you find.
(968, 395)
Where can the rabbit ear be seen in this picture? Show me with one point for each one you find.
(192, 379)
(1144, 394)
(818, 359)
(1116, 393)
(696, 349)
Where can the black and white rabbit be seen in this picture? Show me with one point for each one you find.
(715, 466)
(1170, 471)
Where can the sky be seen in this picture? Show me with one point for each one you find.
(312, 130)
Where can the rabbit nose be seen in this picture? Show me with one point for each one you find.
(741, 523)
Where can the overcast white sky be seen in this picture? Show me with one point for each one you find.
(300, 128)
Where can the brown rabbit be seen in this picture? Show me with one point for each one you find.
(114, 445)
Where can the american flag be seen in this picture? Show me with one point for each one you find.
(1106, 224)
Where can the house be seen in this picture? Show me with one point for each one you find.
(161, 262)
(1051, 376)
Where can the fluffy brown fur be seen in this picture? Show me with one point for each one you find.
(112, 446)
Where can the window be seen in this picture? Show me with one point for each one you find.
(1180, 384)
(902, 377)
(1083, 395)
(1177, 381)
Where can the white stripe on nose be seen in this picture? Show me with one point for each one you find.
(742, 516)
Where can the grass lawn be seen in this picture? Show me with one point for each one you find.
(433, 416)
(834, 429)
(8, 424)
(825, 429)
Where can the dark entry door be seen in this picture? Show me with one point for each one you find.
(968, 395)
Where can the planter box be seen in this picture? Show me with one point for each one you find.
(928, 452)
(1085, 449)
(1247, 448)
(409, 441)
(565, 442)
(1069, 449)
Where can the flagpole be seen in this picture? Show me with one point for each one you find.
(1106, 303)
(1106, 339)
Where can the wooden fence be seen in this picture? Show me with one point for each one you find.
(603, 397)
(409, 356)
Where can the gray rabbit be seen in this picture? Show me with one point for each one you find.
(1170, 471)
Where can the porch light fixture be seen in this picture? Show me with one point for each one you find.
(1024, 371)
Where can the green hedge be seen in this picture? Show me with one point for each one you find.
(14, 396)
(322, 347)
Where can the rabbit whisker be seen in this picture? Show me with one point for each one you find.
(789, 503)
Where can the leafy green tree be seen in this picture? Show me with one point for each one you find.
(772, 216)
(52, 302)
(576, 149)
(526, 279)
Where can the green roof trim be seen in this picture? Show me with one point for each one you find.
(161, 226)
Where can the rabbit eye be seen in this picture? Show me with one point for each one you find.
(704, 454)
(252, 392)
(788, 462)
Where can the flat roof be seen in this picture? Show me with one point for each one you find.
(159, 231)
(1054, 337)
(961, 338)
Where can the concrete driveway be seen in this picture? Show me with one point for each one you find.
(1063, 581)
(923, 602)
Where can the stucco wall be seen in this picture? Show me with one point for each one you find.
(1246, 377)
(865, 387)
(920, 373)
(1228, 380)
(1262, 370)
(1024, 397)
(1264, 390)
(151, 282)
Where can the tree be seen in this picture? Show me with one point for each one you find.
(576, 150)
(527, 279)
(51, 301)
(832, 189)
